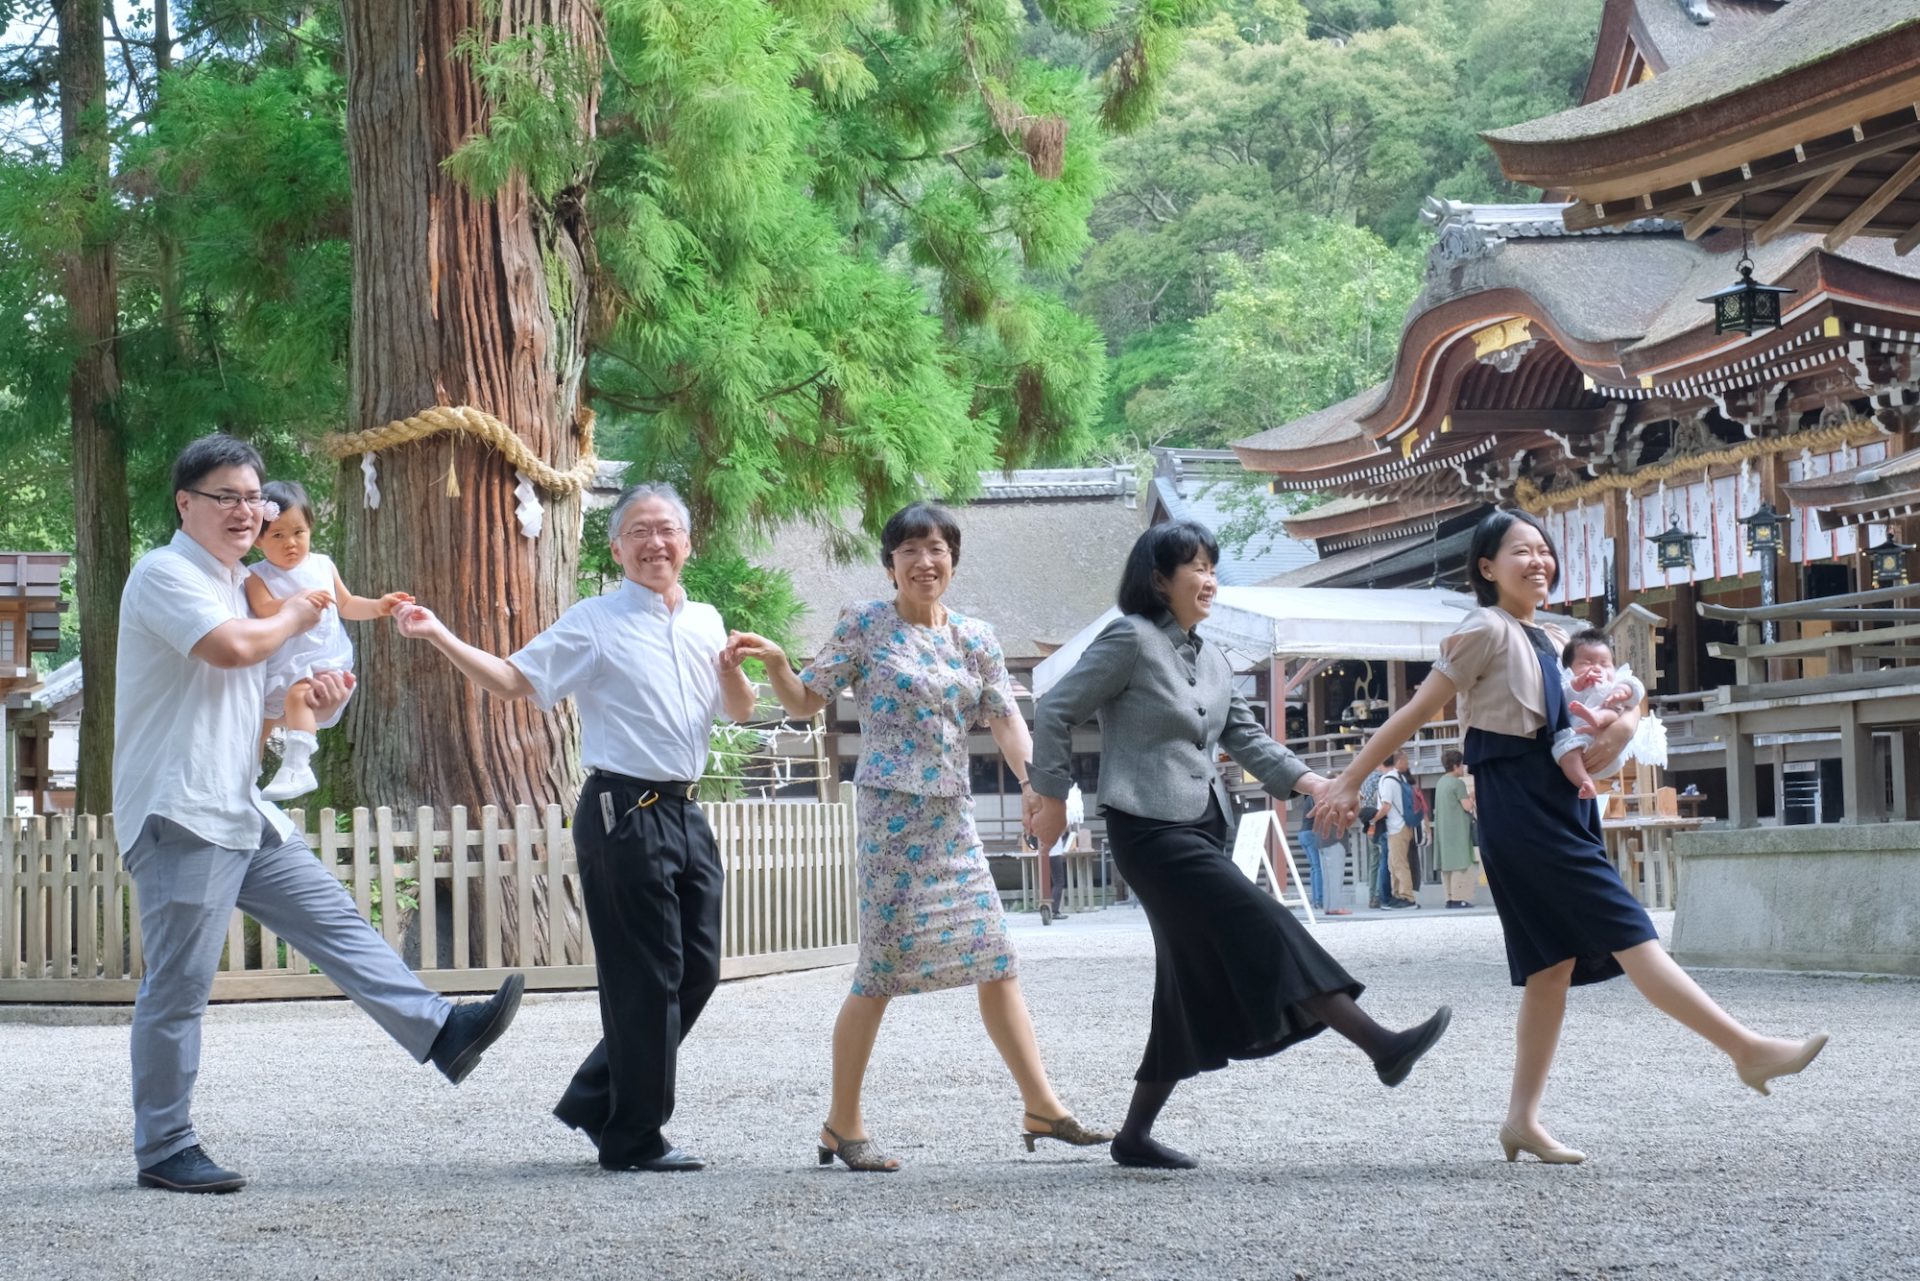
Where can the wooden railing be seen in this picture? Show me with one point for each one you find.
(505, 892)
(1867, 697)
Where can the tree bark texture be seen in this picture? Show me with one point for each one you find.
(456, 301)
(102, 536)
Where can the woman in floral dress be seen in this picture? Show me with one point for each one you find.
(930, 918)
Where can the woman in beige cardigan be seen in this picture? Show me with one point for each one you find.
(1567, 917)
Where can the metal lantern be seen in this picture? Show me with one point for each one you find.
(1746, 305)
(1675, 547)
(1889, 561)
(1766, 531)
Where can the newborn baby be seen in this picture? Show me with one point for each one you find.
(1596, 695)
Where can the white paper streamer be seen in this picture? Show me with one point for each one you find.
(371, 480)
(527, 506)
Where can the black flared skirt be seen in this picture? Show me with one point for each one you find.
(1231, 966)
(1557, 893)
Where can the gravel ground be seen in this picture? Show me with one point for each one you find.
(365, 1166)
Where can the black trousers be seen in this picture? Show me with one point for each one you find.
(652, 887)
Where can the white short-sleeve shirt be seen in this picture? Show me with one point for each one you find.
(186, 733)
(646, 679)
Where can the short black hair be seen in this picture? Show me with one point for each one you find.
(209, 454)
(1487, 537)
(291, 495)
(1452, 759)
(1584, 637)
(1160, 551)
(919, 520)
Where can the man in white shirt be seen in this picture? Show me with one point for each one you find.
(650, 672)
(198, 839)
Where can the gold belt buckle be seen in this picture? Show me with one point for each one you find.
(693, 791)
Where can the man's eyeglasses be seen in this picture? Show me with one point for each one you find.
(641, 533)
(226, 502)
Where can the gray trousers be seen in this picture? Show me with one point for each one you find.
(187, 892)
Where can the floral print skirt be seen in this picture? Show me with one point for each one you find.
(930, 917)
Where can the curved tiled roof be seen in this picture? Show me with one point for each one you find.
(1801, 35)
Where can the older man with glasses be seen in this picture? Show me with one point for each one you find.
(199, 840)
(650, 672)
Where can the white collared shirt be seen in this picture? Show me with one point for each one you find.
(186, 733)
(645, 678)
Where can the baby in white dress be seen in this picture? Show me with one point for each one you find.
(1596, 695)
(292, 568)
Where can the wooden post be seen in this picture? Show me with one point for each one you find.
(1743, 808)
(1686, 638)
(1906, 775)
(1859, 783)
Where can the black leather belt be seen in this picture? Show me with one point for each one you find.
(679, 791)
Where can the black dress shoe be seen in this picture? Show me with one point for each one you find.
(473, 1026)
(672, 1161)
(191, 1170)
(1148, 1155)
(1394, 1068)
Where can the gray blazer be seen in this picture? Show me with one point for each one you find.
(1166, 704)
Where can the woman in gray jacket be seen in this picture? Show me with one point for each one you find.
(1236, 977)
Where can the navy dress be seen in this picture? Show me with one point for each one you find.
(1557, 893)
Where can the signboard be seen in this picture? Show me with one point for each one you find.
(1251, 852)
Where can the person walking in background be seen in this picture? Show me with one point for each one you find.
(1057, 860)
(1453, 830)
(1235, 975)
(1396, 808)
(650, 671)
(1567, 917)
(930, 917)
(1316, 884)
(199, 840)
(1373, 839)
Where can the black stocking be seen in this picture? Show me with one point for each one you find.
(1344, 1015)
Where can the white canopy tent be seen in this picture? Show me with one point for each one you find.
(1256, 625)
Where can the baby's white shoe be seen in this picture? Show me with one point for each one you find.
(295, 776)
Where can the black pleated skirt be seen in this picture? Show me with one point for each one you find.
(1557, 893)
(1231, 965)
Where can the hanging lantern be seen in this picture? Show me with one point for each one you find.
(1675, 547)
(1746, 305)
(1889, 561)
(1766, 531)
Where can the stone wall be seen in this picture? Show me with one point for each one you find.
(1831, 897)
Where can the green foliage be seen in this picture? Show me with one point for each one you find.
(1312, 321)
(1351, 111)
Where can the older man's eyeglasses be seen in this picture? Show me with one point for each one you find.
(227, 501)
(641, 533)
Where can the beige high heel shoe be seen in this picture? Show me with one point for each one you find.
(1066, 1130)
(1514, 1143)
(1758, 1077)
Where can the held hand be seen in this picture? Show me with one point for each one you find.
(327, 691)
(390, 602)
(748, 645)
(1029, 808)
(1048, 822)
(1336, 807)
(305, 608)
(1314, 785)
(1620, 699)
(417, 622)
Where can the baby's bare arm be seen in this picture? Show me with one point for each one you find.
(262, 602)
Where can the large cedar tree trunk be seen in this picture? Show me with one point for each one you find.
(102, 539)
(456, 301)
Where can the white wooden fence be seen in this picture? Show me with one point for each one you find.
(464, 903)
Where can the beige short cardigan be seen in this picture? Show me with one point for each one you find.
(1496, 671)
